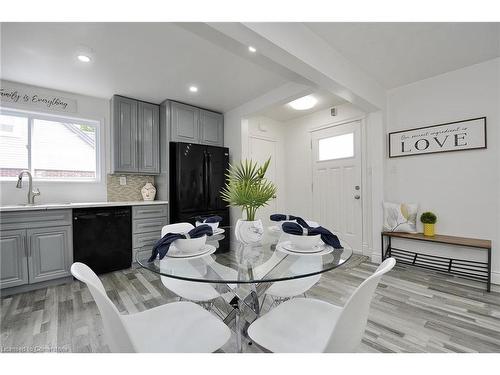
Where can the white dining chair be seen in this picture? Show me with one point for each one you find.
(303, 325)
(281, 291)
(178, 327)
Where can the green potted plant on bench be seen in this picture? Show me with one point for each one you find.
(429, 220)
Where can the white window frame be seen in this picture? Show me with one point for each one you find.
(31, 116)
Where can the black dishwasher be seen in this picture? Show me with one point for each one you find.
(102, 238)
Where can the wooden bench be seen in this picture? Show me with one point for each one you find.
(461, 267)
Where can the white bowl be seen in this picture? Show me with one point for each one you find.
(191, 245)
(213, 225)
(304, 242)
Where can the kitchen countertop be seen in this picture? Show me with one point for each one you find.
(59, 206)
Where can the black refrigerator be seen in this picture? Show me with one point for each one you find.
(197, 176)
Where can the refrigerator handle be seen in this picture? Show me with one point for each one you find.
(209, 172)
(205, 179)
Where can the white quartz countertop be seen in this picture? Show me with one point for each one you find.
(59, 206)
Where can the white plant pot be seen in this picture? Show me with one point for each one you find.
(249, 231)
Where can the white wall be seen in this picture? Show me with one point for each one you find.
(462, 188)
(273, 130)
(89, 108)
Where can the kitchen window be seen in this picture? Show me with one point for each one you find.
(52, 148)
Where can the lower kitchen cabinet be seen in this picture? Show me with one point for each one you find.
(35, 246)
(50, 253)
(13, 258)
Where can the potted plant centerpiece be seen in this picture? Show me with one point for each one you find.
(429, 219)
(248, 188)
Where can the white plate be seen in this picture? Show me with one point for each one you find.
(218, 231)
(324, 250)
(288, 245)
(174, 252)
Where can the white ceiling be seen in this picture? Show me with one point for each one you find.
(148, 61)
(284, 112)
(400, 53)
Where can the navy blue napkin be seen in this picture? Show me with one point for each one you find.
(162, 246)
(326, 236)
(281, 217)
(208, 219)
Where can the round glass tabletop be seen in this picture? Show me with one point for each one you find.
(226, 260)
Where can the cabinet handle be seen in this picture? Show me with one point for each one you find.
(26, 249)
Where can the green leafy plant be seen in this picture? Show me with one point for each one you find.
(428, 218)
(247, 187)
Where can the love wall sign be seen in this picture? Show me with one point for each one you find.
(452, 136)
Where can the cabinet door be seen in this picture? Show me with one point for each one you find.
(50, 253)
(124, 134)
(13, 259)
(211, 128)
(185, 123)
(149, 138)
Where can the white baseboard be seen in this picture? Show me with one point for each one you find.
(495, 278)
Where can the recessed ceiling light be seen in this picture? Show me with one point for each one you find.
(84, 58)
(252, 49)
(193, 88)
(306, 102)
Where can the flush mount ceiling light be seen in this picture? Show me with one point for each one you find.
(84, 58)
(306, 102)
(252, 49)
(84, 54)
(193, 88)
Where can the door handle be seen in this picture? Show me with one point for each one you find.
(357, 196)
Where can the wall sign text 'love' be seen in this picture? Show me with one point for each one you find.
(452, 136)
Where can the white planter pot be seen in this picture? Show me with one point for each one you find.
(249, 231)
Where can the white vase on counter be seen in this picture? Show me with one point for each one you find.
(249, 232)
(148, 192)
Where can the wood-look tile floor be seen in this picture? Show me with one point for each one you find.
(414, 310)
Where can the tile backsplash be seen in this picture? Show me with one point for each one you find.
(129, 192)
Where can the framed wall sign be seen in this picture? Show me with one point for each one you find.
(452, 136)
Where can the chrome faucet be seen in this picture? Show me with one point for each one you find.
(31, 193)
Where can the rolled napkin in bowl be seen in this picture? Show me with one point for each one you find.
(326, 236)
(162, 246)
(281, 217)
(208, 219)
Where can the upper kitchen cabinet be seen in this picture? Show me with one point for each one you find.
(211, 128)
(194, 125)
(185, 123)
(149, 138)
(135, 136)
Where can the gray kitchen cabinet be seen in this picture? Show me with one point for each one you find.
(135, 136)
(147, 222)
(50, 253)
(35, 246)
(13, 258)
(149, 138)
(211, 128)
(185, 124)
(124, 120)
(194, 125)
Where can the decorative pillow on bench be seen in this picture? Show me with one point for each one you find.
(400, 217)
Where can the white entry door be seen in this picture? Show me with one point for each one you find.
(337, 181)
(261, 149)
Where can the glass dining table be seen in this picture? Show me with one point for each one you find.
(241, 273)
